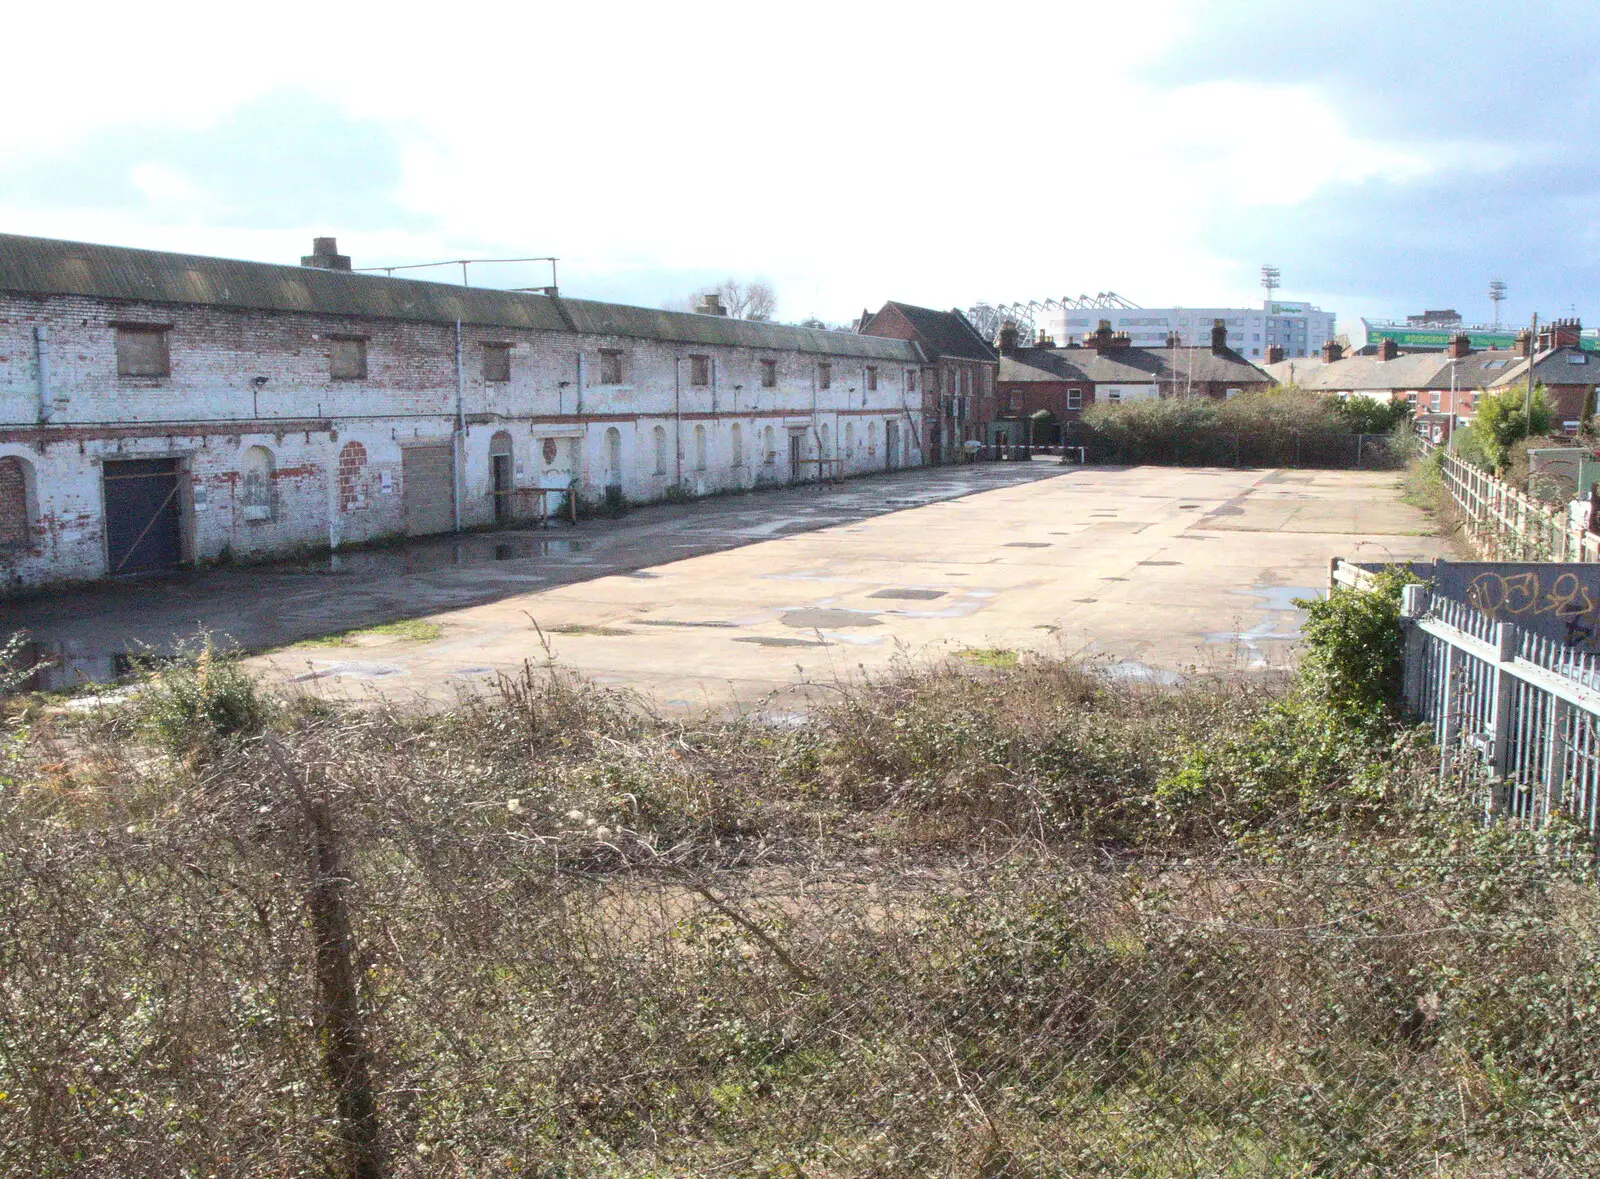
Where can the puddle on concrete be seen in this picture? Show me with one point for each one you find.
(779, 720)
(674, 622)
(471, 671)
(914, 595)
(766, 641)
(1027, 544)
(1275, 601)
(820, 617)
(352, 668)
(428, 553)
(1133, 672)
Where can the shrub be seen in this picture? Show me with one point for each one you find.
(200, 697)
(1501, 419)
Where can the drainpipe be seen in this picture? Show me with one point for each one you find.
(455, 435)
(41, 350)
(677, 421)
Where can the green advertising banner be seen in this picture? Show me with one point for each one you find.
(1440, 338)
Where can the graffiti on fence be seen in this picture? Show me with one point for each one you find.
(1559, 601)
(1529, 595)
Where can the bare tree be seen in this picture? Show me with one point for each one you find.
(740, 300)
(753, 300)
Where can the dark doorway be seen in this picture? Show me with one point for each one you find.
(501, 477)
(502, 488)
(143, 515)
(797, 444)
(891, 444)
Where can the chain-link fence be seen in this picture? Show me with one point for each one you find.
(1219, 448)
(376, 947)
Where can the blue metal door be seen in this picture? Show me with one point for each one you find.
(142, 515)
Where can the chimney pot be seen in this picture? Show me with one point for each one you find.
(1331, 352)
(325, 255)
(1388, 349)
(1460, 345)
(1274, 353)
(1219, 337)
(1008, 338)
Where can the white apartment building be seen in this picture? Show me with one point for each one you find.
(1298, 328)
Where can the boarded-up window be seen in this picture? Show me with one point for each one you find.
(769, 374)
(824, 376)
(872, 378)
(496, 362)
(13, 504)
(911, 380)
(699, 370)
(347, 358)
(610, 367)
(142, 351)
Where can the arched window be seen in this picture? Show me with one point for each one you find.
(872, 437)
(660, 436)
(699, 448)
(769, 446)
(613, 457)
(736, 441)
(255, 484)
(352, 477)
(825, 442)
(16, 521)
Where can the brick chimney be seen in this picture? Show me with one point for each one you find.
(325, 255)
(1388, 349)
(1459, 346)
(1331, 352)
(1560, 333)
(1274, 353)
(710, 304)
(1008, 338)
(1219, 337)
(1524, 344)
(1174, 340)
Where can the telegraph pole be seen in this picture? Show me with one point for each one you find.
(1527, 400)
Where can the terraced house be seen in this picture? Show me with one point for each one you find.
(158, 409)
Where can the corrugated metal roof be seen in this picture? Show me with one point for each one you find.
(46, 266)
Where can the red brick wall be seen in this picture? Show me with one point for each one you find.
(14, 531)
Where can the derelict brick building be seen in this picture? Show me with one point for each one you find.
(158, 409)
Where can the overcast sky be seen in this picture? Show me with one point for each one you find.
(1387, 157)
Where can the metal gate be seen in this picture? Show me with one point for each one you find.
(143, 515)
(427, 475)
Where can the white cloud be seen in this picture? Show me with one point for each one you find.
(849, 152)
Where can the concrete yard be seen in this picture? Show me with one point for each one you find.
(750, 600)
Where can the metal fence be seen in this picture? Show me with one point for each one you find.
(1523, 707)
(1225, 448)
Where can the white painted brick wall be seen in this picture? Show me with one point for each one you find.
(213, 407)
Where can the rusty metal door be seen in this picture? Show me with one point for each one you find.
(143, 515)
(426, 475)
